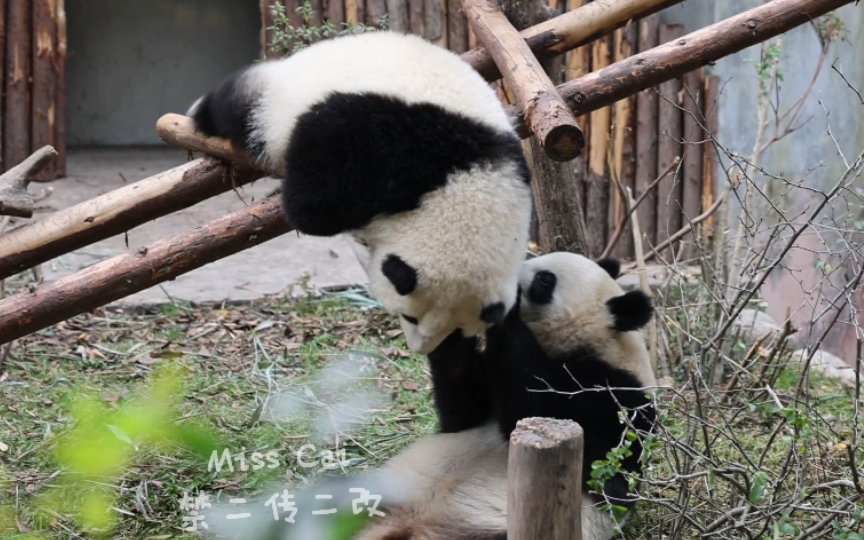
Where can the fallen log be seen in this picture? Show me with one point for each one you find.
(545, 112)
(15, 200)
(544, 480)
(573, 29)
(140, 269)
(117, 212)
(671, 60)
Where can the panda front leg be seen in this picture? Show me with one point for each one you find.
(460, 384)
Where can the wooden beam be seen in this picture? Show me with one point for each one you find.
(650, 68)
(179, 130)
(355, 11)
(544, 474)
(18, 75)
(334, 11)
(117, 212)
(670, 124)
(416, 14)
(398, 14)
(432, 29)
(545, 112)
(60, 66)
(44, 90)
(597, 190)
(375, 9)
(2, 77)
(572, 29)
(140, 269)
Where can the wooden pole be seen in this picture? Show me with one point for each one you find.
(18, 66)
(2, 78)
(399, 17)
(457, 27)
(415, 12)
(375, 9)
(432, 20)
(598, 185)
(624, 145)
(694, 97)
(60, 66)
(545, 112)
(334, 11)
(140, 269)
(573, 29)
(650, 68)
(670, 124)
(711, 160)
(544, 470)
(355, 11)
(116, 212)
(44, 108)
(646, 136)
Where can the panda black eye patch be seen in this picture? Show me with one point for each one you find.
(542, 287)
(410, 319)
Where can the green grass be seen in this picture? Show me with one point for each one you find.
(237, 359)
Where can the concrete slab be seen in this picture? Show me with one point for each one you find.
(270, 268)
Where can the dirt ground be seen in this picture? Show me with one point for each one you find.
(267, 269)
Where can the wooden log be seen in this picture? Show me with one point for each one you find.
(179, 130)
(646, 136)
(578, 60)
(416, 14)
(598, 185)
(624, 147)
(142, 268)
(650, 68)
(399, 18)
(15, 200)
(545, 112)
(44, 90)
(60, 66)
(693, 97)
(334, 11)
(711, 160)
(670, 124)
(116, 212)
(19, 71)
(457, 27)
(432, 29)
(544, 475)
(317, 12)
(573, 29)
(375, 9)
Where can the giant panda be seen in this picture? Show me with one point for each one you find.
(404, 146)
(574, 328)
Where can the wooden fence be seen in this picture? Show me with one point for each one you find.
(32, 82)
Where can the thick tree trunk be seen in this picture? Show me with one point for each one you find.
(556, 185)
(137, 270)
(624, 145)
(646, 136)
(598, 187)
(694, 98)
(544, 470)
(545, 112)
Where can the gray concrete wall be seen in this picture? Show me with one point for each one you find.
(808, 156)
(133, 60)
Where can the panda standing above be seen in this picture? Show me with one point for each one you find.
(402, 144)
(575, 331)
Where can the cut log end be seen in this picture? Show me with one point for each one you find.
(545, 433)
(564, 142)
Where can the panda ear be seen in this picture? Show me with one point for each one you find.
(630, 311)
(402, 275)
(612, 267)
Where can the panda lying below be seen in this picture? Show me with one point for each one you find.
(575, 328)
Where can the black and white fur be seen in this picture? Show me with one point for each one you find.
(404, 146)
(575, 330)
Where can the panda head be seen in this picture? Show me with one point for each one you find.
(434, 300)
(569, 301)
